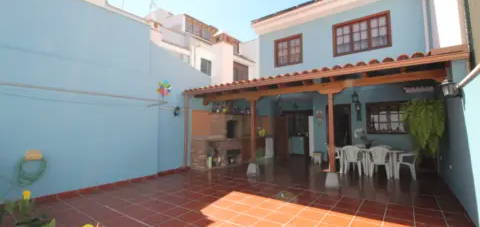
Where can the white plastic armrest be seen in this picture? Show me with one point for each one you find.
(406, 155)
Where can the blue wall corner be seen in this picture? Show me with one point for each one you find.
(459, 159)
(87, 140)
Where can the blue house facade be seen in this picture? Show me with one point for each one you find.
(336, 51)
(412, 27)
(406, 35)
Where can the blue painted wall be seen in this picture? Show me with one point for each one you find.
(459, 155)
(318, 52)
(468, 186)
(407, 37)
(87, 140)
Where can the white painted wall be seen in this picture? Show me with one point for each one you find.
(172, 36)
(159, 15)
(223, 64)
(251, 50)
(448, 23)
(200, 50)
(252, 69)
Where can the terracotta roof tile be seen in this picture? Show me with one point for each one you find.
(402, 57)
(387, 59)
(336, 67)
(418, 55)
(373, 61)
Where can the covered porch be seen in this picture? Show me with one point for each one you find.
(323, 95)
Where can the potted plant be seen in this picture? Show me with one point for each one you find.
(426, 124)
(23, 212)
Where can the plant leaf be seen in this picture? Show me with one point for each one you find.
(426, 123)
(52, 223)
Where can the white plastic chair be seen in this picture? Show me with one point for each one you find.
(364, 159)
(379, 157)
(408, 159)
(352, 155)
(339, 156)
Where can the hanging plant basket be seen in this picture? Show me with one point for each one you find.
(425, 121)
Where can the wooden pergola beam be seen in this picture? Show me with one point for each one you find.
(436, 75)
(307, 82)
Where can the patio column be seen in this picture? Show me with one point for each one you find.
(253, 129)
(186, 128)
(331, 134)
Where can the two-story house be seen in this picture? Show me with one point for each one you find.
(337, 72)
(204, 47)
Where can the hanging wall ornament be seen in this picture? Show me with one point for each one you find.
(165, 88)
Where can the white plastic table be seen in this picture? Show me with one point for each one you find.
(393, 155)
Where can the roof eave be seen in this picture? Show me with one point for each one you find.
(360, 67)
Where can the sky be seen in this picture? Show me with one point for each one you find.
(231, 16)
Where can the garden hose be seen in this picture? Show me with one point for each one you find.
(25, 178)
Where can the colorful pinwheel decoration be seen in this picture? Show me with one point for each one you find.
(164, 88)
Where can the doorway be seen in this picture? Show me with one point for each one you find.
(342, 124)
(298, 138)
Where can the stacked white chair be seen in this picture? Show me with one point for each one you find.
(352, 155)
(409, 160)
(379, 157)
(365, 160)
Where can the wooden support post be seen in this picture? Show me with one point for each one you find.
(331, 134)
(186, 128)
(253, 130)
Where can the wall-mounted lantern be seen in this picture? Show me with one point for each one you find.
(357, 105)
(176, 111)
(449, 88)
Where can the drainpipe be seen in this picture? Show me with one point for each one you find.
(468, 22)
(426, 25)
(474, 73)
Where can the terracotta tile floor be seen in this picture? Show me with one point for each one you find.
(288, 194)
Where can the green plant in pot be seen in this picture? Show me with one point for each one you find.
(425, 119)
(24, 214)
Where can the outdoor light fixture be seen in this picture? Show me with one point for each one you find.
(449, 88)
(176, 111)
(358, 106)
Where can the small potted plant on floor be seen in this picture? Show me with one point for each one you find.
(23, 213)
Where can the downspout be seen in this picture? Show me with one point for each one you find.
(426, 25)
(468, 21)
(472, 75)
